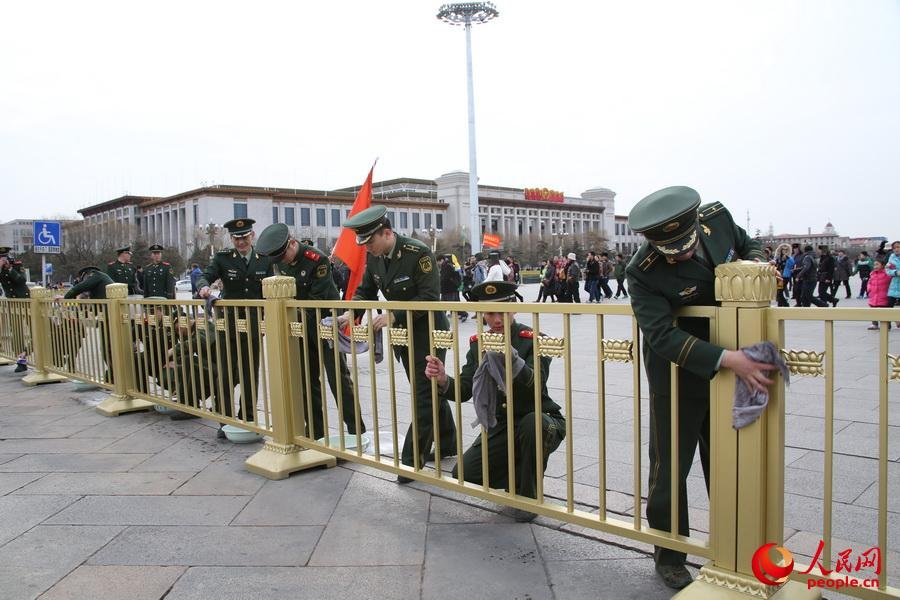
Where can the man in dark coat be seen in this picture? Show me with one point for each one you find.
(674, 267)
(158, 279)
(242, 271)
(404, 269)
(312, 272)
(122, 271)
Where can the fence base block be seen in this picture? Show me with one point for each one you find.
(115, 405)
(277, 461)
(42, 378)
(6, 361)
(716, 584)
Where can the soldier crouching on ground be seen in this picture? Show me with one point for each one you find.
(474, 381)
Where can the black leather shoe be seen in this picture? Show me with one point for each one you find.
(676, 577)
(403, 480)
(20, 367)
(221, 433)
(834, 302)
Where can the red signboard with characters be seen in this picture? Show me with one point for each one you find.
(543, 195)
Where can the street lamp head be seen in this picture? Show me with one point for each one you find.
(465, 13)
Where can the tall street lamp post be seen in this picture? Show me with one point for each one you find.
(467, 13)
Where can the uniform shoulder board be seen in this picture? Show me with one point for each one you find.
(473, 339)
(710, 209)
(526, 333)
(166, 264)
(649, 261)
(111, 263)
(412, 248)
(224, 252)
(312, 254)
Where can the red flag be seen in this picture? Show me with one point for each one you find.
(346, 249)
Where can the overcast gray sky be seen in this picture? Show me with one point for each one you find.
(788, 109)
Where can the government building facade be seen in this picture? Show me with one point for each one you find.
(431, 208)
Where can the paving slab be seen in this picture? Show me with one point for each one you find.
(25, 583)
(226, 475)
(6, 457)
(188, 454)
(443, 511)
(558, 545)
(53, 445)
(107, 484)
(307, 583)
(74, 463)
(10, 482)
(61, 546)
(462, 561)
(149, 440)
(150, 510)
(358, 543)
(307, 498)
(115, 582)
(622, 579)
(18, 514)
(210, 546)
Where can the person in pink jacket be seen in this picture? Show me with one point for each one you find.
(879, 282)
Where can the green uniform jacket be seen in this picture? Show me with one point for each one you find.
(523, 384)
(658, 288)
(121, 272)
(409, 273)
(95, 283)
(159, 281)
(312, 271)
(13, 282)
(241, 280)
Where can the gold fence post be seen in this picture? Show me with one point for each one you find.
(40, 297)
(280, 456)
(747, 465)
(120, 360)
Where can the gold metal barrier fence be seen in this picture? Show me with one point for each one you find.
(15, 330)
(79, 340)
(206, 363)
(845, 424)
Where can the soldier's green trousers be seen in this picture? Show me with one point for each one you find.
(333, 370)
(553, 429)
(423, 415)
(693, 430)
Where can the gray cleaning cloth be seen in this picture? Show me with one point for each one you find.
(749, 404)
(489, 378)
(344, 342)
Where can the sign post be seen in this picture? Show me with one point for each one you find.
(47, 240)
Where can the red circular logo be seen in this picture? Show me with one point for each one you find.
(766, 570)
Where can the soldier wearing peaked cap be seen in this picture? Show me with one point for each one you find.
(491, 404)
(404, 269)
(122, 271)
(242, 270)
(312, 272)
(158, 278)
(674, 267)
(12, 279)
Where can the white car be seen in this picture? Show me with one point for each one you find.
(183, 285)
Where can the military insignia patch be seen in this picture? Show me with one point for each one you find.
(688, 291)
(490, 290)
(670, 227)
(425, 264)
(321, 271)
(706, 230)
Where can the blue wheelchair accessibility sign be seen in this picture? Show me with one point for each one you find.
(47, 237)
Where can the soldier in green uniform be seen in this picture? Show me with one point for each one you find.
(404, 269)
(312, 272)
(553, 425)
(12, 276)
(122, 271)
(158, 278)
(241, 270)
(674, 267)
